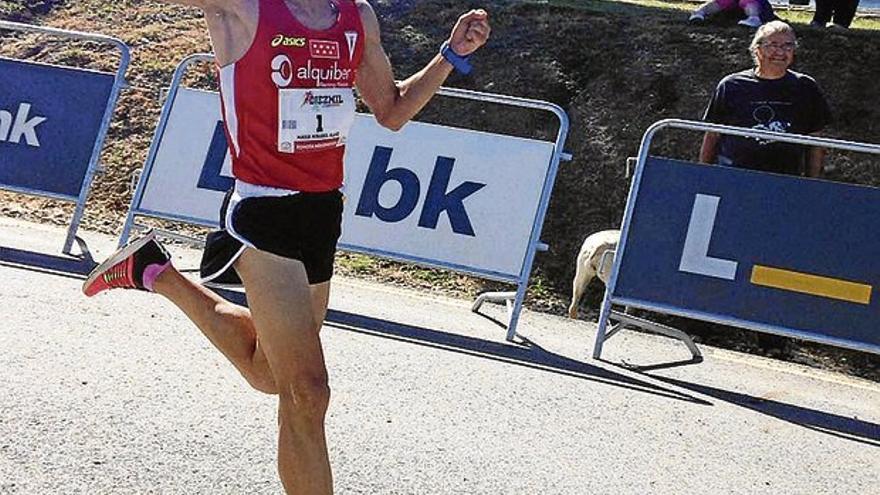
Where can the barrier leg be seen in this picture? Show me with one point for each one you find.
(492, 297)
(604, 313)
(616, 328)
(514, 311)
(509, 299)
(126, 228)
(71, 232)
(512, 300)
(625, 319)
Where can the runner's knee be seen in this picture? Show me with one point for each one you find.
(307, 396)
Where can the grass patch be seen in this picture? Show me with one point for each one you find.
(13, 10)
(25, 10)
(357, 264)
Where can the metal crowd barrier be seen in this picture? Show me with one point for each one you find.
(777, 254)
(53, 122)
(482, 197)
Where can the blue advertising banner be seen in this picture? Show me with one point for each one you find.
(801, 256)
(49, 121)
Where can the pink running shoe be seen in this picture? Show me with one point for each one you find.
(134, 266)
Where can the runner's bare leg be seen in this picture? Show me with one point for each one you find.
(228, 326)
(320, 299)
(286, 325)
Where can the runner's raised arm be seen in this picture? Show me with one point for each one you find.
(394, 104)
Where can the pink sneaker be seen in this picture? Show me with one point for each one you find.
(134, 266)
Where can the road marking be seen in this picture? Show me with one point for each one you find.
(816, 285)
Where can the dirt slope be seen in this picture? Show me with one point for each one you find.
(615, 68)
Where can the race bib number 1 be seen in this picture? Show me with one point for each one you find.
(314, 119)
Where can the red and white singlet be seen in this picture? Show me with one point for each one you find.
(288, 103)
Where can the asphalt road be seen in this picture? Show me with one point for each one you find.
(119, 394)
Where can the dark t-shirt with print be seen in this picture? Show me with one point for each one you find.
(793, 104)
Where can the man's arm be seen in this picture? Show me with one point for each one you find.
(709, 149)
(393, 104)
(815, 161)
(821, 116)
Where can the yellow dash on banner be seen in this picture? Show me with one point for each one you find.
(816, 285)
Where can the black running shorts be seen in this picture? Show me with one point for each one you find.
(302, 226)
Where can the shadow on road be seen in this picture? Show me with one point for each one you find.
(533, 356)
(64, 266)
(839, 426)
(529, 354)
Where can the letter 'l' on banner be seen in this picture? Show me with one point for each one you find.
(695, 255)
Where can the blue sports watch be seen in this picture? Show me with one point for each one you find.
(460, 63)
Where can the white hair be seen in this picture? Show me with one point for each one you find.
(765, 31)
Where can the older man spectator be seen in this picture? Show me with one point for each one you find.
(769, 97)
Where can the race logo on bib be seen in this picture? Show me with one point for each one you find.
(314, 119)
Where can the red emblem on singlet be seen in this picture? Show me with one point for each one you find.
(324, 49)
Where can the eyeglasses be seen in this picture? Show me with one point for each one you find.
(786, 47)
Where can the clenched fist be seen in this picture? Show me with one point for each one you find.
(471, 31)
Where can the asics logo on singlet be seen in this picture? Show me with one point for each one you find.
(311, 99)
(14, 128)
(294, 41)
(283, 72)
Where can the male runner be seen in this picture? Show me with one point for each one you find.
(286, 72)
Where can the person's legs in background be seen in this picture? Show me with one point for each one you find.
(709, 9)
(824, 9)
(752, 10)
(844, 12)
